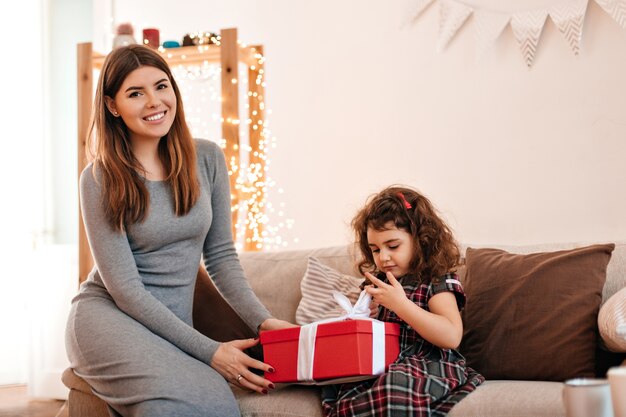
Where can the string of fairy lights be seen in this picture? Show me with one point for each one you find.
(259, 222)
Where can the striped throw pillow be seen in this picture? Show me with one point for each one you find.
(317, 285)
(612, 322)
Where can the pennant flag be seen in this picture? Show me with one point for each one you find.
(527, 27)
(488, 27)
(419, 7)
(569, 17)
(616, 8)
(452, 15)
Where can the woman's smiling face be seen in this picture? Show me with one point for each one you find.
(146, 102)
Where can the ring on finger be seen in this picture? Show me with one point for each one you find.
(239, 377)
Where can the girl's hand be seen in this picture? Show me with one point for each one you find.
(373, 309)
(390, 295)
(275, 324)
(230, 361)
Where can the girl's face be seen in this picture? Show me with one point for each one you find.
(392, 249)
(146, 102)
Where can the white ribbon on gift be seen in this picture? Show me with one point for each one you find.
(360, 310)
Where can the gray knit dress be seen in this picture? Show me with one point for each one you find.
(130, 333)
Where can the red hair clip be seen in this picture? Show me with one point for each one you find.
(407, 205)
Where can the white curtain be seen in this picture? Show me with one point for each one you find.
(39, 208)
(21, 173)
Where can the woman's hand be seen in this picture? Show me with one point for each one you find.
(275, 324)
(233, 364)
(391, 295)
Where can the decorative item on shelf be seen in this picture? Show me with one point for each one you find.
(151, 37)
(171, 44)
(201, 38)
(124, 35)
(187, 40)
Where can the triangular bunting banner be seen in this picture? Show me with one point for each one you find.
(488, 27)
(452, 15)
(527, 29)
(569, 17)
(420, 6)
(616, 8)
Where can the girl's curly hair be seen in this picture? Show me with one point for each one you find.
(436, 251)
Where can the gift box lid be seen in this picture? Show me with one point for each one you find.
(335, 328)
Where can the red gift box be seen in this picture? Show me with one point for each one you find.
(342, 349)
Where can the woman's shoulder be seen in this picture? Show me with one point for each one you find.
(90, 175)
(207, 149)
(90, 184)
(210, 158)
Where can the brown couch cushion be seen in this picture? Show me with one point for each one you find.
(213, 316)
(533, 317)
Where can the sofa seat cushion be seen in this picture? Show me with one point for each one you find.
(512, 399)
(284, 401)
(491, 399)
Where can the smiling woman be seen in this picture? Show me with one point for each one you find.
(155, 202)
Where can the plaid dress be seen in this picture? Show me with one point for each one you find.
(425, 380)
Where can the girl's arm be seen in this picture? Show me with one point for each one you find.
(442, 325)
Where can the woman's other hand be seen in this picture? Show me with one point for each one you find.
(234, 365)
(275, 324)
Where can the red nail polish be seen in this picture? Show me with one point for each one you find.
(264, 391)
(272, 386)
(271, 370)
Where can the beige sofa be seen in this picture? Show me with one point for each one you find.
(275, 277)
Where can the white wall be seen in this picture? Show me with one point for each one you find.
(361, 100)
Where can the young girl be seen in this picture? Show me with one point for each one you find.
(408, 255)
(154, 202)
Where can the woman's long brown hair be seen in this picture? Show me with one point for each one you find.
(435, 251)
(125, 196)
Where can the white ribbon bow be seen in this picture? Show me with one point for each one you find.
(360, 310)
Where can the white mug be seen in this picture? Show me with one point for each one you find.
(586, 397)
(617, 380)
